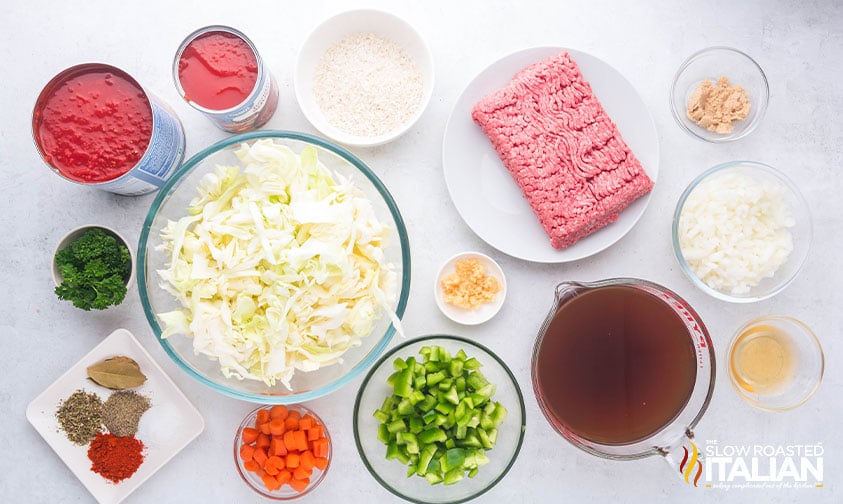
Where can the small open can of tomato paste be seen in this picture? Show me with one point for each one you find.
(93, 124)
(220, 73)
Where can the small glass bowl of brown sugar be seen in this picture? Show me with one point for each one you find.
(719, 94)
(470, 288)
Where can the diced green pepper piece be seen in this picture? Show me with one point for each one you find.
(411, 470)
(383, 434)
(444, 407)
(399, 364)
(416, 424)
(452, 397)
(434, 435)
(460, 384)
(455, 367)
(427, 404)
(405, 407)
(461, 355)
(453, 476)
(435, 378)
(472, 364)
(473, 472)
(429, 417)
(425, 457)
(476, 380)
(446, 384)
(454, 457)
(484, 439)
(419, 383)
(404, 383)
(396, 426)
(392, 450)
(433, 478)
(499, 415)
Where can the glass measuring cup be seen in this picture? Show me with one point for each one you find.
(625, 369)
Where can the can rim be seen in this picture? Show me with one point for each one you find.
(210, 29)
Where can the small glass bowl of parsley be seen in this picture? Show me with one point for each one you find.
(93, 267)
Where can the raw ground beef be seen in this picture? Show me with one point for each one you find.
(563, 150)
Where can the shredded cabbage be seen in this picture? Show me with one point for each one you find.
(279, 266)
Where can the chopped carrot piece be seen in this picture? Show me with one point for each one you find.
(294, 414)
(293, 460)
(321, 463)
(279, 411)
(290, 441)
(251, 465)
(306, 422)
(320, 447)
(260, 456)
(263, 441)
(307, 460)
(284, 476)
(264, 428)
(273, 465)
(299, 484)
(246, 452)
(270, 482)
(291, 423)
(261, 418)
(300, 438)
(301, 473)
(276, 427)
(315, 432)
(277, 447)
(249, 435)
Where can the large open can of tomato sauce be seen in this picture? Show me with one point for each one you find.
(220, 73)
(93, 124)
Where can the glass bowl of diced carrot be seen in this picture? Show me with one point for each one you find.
(282, 452)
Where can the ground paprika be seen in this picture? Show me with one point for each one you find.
(115, 458)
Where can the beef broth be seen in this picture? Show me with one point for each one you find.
(615, 365)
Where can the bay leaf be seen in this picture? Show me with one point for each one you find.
(117, 373)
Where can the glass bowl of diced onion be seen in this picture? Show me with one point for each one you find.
(742, 231)
(288, 285)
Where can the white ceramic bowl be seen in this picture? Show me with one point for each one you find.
(483, 312)
(331, 32)
(75, 234)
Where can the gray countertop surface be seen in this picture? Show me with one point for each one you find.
(799, 45)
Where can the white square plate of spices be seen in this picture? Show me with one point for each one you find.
(170, 423)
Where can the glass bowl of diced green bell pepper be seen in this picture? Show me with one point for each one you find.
(439, 419)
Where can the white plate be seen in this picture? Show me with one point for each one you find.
(487, 197)
(483, 312)
(168, 426)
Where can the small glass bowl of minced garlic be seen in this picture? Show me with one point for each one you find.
(719, 94)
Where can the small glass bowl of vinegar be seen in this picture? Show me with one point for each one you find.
(775, 362)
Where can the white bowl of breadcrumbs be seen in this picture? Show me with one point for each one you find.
(364, 77)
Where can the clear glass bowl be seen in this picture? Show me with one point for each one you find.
(792, 358)
(254, 481)
(392, 474)
(171, 203)
(801, 232)
(710, 64)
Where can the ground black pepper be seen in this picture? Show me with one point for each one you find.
(80, 416)
(122, 412)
